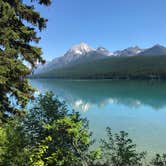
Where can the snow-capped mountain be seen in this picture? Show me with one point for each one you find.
(76, 53)
(84, 53)
(81, 48)
(104, 51)
(131, 51)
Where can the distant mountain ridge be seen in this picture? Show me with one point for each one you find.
(155, 50)
(80, 52)
(131, 51)
(83, 53)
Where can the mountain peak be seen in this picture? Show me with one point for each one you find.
(81, 48)
(104, 51)
(130, 51)
(156, 50)
(158, 46)
(101, 48)
(83, 52)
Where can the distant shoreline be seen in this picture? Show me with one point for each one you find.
(102, 78)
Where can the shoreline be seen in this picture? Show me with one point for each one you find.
(101, 78)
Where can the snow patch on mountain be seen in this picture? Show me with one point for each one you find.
(131, 51)
(83, 52)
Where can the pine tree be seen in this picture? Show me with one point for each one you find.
(19, 24)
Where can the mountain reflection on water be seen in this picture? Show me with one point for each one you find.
(83, 94)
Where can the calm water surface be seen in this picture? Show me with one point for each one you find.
(138, 107)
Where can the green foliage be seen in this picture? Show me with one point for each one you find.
(58, 136)
(18, 25)
(62, 144)
(13, 151)
(46, 108)
(120, 151)
(159, 160)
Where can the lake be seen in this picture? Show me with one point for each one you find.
(137, 107)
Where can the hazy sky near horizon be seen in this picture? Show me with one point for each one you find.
(113, 24)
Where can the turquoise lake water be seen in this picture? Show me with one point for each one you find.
(137, 107)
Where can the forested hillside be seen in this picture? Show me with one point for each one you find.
(136, 67)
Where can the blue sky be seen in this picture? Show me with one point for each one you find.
(114, 24)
